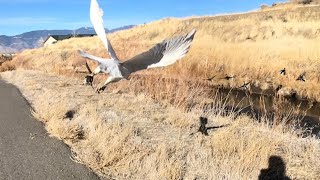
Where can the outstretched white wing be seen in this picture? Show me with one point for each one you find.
(162, 54)
(101, 61)
(96, 14)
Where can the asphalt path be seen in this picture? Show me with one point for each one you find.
(26, 150)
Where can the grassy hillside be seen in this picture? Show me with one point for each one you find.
(125, 135)
(251, 46)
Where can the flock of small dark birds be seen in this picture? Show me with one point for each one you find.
(246, 85)
(203, 129)
(227, 77)
(301, 77)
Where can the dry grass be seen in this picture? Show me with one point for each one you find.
(7, 66)
(133, 136)
(252, 46)
(127, 136)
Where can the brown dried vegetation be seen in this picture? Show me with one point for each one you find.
(126, 134)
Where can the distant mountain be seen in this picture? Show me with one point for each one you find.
(121, 28)
(35, 39)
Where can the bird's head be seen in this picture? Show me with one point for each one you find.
(88, 80)
(203, 120)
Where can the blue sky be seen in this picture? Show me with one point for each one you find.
(18, 16)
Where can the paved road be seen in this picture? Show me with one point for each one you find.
(26, 151)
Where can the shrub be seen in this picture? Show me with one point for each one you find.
(306, 2)
(264, 6)
(7, 66)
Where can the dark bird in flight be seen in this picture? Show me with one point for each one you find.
(227, 77)
(283, 71)
(302, 77)
(210, 79)
(245, 86)
(279, 87)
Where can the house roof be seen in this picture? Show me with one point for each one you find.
(63, 37)
(60, 37)
(84, 35)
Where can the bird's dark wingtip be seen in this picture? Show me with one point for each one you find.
(193, 31)
(191, 34)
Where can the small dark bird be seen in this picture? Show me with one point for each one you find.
(279, 87)
(69, 114)
(88, 80)
(283, 71)
(203, 126)
(227, 77)
(302, 77)
(245, 85)
(210, 79)
(294, 95)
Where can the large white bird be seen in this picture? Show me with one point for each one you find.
(163, 54)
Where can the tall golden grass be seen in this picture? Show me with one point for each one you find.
(253, 47)
(128, 136)
(125, 136)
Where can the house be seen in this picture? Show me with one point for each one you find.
(6, 57)
(52, 39)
